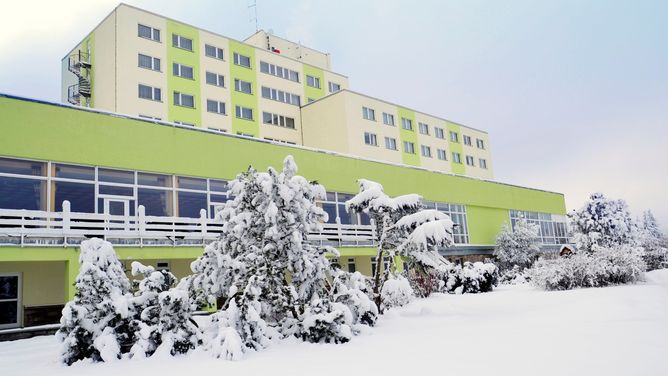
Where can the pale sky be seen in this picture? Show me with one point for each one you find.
(574, 94)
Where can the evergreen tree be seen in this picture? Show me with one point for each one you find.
(653, 242)
(517, 247)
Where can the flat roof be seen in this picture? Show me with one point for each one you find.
(253, 139)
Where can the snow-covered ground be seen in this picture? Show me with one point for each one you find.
(515, 330)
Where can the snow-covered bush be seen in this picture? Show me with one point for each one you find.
(515, 276)
(517, 246)
(354, 291)
(653, 242)
(470, 278)
(602, 267)
(397, 292)
(326, 322)
(95, 323)
(603, 222)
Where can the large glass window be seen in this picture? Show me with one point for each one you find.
(19, 167)
(190, 204)
(10, 304)
(191, 183)
(457, 214)
(335, 206)
(116, 176)
(75, 172)
(155, 180)
(22, 193)
(80, 195)
(157, 202)
(551, 228)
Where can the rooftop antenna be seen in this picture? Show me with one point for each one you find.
(253, 13)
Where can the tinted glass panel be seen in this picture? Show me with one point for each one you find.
(218, 198)
(12, 166)
(155, 180)
(116, 176)
(190, 203)
(8, 312)
(192, 183)
(156, 202)
(9, 287)
(75, 172)
(80, 195)
(116, 191)
(19, 193)
(331, 212)
(218, 185)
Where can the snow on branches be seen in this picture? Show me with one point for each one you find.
(517, 246)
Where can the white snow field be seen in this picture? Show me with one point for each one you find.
(515, 330)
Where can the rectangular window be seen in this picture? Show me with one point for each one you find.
(10, 300)
(456, 157)
(480, 143)
(454, 137)
(409, 147)
(313, 81)
(334, 87)
(215, 106)
(424, 128)
(148, 62)
(148, 92)
(438, 132)
(242, 60)
(213, 51)
(277, 71)
(243, 86)
(184, 71)
(469, 161)
(368, 113)
(441, 154)
(279, 120)
(184, 100)
(407, 124)
(243, 112)
(390, 143)
(467, 140)
(281, 96)
(148, 32)
(370, 139)
(388, 119)
(425, 151)
(179, 41)
(482, 163)
(215, 79)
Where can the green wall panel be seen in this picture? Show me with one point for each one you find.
(410, 136)
(309, 91)
(180, 84)
(251, 127)
(486, 223)
(456, 147)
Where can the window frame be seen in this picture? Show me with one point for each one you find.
(181, 95)
(237, 59)
(179, 42)
(216, 51)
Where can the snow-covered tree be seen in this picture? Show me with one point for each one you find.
(396, 292)
(653, 242)
(603, 222)
(517, 246)
(95, 323)
(324, 321)
(353, 290)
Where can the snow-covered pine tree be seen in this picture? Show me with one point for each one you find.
(653, 242)
(95, 323)
(353, 290)
(384, 211)
(603, 222)
(517, 246)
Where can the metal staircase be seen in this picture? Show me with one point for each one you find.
(79, 64)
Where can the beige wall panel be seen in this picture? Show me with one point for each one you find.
(324, 124)
(277, 132)
(43, 282)
(104, 84)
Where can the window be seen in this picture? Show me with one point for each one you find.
(26, 192)
(147, 92)
(335, 207)
(457, 214)
(279, 120)
(214, 52)
(281, 96)
(368, 113)
(425, 151)
(184, 100)
(409, 147)
(467, 140)
(551, 227)
(215, 107)
(456, 157)
(313, 81)
(438, 132)
(243, 86)
(182, 42)
(469, 161)
(334, 87)
(243, 112)
(370, 139)
(480, 143)
(482, 163)
(388, 119)
(440, 153)
(10, 300)
(390, 143)
(423, 128)
(148, 62)
(281, 72)
(242, 60)
(148, 32)
(184, 71)
(407, 124)
(454, 137)
(215, 79)
(351, 265)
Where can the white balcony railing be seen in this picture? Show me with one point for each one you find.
(44, 228)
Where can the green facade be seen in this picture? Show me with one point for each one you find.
(311, 92)
(251, 127)
(456, 147)
(180, 84)
(408, 135)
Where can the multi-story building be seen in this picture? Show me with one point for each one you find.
(138, 63)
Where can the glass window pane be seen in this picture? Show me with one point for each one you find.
(75, 172)
(20, 193)
(190, 203)
(156, 202)
(346, 218)
(80, 195)
(8, 312)
(116, 191)
(191, 183)
(155, 180)
(9, 287)
(218, 198)
(116, 176)
(218, 185)
(15, 166)
(330, 209)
